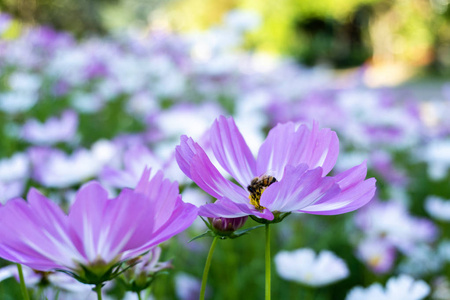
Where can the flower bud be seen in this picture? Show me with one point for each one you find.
(226, 226)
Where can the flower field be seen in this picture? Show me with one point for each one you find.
(354, 181)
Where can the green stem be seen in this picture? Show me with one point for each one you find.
(23, 287)
(139, 295)
(98, 289)
(206, 270)
(268, 261)
(309, 293)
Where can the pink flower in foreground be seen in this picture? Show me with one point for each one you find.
(288, 174)
(98, 233)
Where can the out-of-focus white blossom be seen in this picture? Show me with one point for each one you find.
(438, 208)
(402, 287)
(304, 266)
(421, 261)
(437, 155)
(53, 168)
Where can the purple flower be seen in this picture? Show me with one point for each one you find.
(52, 131)
(54, 168)
(378, 254)
(288, 174)
(98, 233)
(397, 226)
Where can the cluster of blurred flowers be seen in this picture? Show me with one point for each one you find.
(104, 108)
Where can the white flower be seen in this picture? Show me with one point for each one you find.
(421, 261)
(14, 168)
(438, 208)
(402, 287)
(87, 103)
(305, 267)
(14, 172)
(16, 102)
(437, 155)
(54, 168)
(9, 190)
(186, 119)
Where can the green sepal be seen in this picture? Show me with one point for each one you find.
(207, 224)
(226, 235)
(87, 276)
(278, 217)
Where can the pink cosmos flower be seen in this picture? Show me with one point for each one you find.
(98, 233)
(287, 175)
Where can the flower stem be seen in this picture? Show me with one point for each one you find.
(206, 270)
(23, 287)
(268, 261)
(98, 289)
(309, 293)
(139, 295)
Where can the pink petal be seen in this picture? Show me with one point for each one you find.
(228, 209)
(181, 218)
(86, 216)
(35, 234)
(287, 146)
(127, 224)
(231, 150)
(298, 189)
(194, 162)
(161, 193)
(355, 193)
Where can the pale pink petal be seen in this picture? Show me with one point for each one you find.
(29, 239)
(231, 151)
(161, 193)
(286, 145)
(299, 188)
(228, 209)
(182, 216)
(194, 162)
(355, 193)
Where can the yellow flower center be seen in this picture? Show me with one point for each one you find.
(375, 260)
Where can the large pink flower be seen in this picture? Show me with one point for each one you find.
(288, 174)
(98, 232)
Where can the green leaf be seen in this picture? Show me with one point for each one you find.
(240, 232)
(207, 233)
